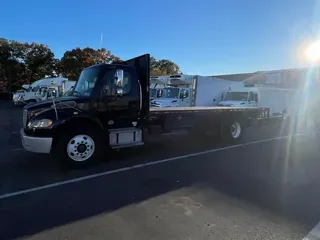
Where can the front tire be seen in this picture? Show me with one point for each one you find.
(79, 147)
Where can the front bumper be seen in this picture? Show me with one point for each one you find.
(35, 144)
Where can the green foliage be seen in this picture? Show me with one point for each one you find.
(74, 61)
(23, 63)
(163, 67)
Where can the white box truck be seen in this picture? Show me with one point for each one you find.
(40, 89)
(192, 90)
(290, 107)
(280, 101)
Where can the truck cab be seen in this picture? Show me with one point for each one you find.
(156, 84)
(177, 92)
(243, 97)
(107, 108)
(172, 97)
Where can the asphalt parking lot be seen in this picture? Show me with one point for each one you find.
(179, 188)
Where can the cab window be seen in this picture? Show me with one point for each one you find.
(35, 89)
(116, 79)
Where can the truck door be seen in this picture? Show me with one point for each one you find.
(120, 104)
(252, 100)
(184, 97)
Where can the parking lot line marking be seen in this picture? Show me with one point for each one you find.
(56, 184)
(15, 132)
(314, 234)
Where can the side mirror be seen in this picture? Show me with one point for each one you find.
(183, 95)
(284, 112)
(118, 78)
(52, 93)
(119, 91)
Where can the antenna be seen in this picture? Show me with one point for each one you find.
(101, 40)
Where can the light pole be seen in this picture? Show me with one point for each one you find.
(11, 62)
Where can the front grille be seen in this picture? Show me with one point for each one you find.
(25, 118)
(154, 105)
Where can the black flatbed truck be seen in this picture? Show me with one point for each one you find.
(109, 108)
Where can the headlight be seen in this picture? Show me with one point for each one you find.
(43, 123)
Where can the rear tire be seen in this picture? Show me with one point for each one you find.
(79, 147)
(233, 132)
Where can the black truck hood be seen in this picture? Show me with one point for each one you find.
(62, 101)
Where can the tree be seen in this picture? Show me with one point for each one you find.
(11, 63)
(22, 63)
(39, 61)
(74, 61)
(163, 67)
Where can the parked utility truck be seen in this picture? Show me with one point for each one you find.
(280, 101)
(42, 89)
(192, 90)
(109, 109)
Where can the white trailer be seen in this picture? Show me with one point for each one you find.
(192, 90)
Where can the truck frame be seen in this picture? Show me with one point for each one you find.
(109, 109)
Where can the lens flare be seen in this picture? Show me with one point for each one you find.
(313, 51)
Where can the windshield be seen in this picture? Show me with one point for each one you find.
(236, 96)
(86, 82)
(169, 93)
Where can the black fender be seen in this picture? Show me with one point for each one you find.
(79, 120)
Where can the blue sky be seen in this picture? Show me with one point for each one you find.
(202, 36)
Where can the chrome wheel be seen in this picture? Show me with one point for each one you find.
(235, 130)
(80, 148)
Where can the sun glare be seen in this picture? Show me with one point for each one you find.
(313, 52)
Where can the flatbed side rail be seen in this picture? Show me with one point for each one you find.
(172, 110)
